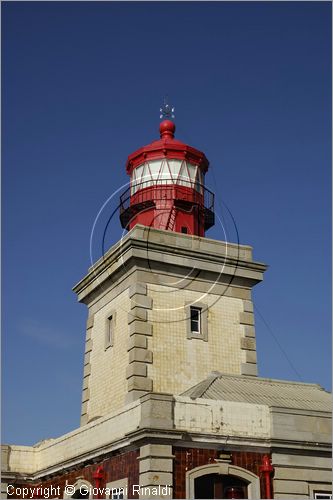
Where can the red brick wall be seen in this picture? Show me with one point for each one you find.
(189, 458)
(116, 467)
(127, 465)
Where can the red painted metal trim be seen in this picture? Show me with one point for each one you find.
(98, 477)
(170, 149)
(169, 192)
(266, 470)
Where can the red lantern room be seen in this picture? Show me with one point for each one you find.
(167, 189)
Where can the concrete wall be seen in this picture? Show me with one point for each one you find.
(298, 476)
(180, 362)
(222, 417)
(307, 425)
(107, 382)
(90, 439)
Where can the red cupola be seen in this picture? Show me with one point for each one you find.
(167, 187)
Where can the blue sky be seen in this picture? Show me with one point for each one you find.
(82, 86)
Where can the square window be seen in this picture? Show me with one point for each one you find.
(195, 319)
(117, 496)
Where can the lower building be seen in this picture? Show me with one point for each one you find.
(152, 425)
(227, 437)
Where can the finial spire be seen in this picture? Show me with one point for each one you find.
(167, 111)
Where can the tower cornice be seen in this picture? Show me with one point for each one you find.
(158, 250)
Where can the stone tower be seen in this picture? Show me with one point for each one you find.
(170, 364)
(166, 305)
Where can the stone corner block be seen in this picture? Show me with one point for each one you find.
(84, 408)
(156, 450)
(85, 395)
(134, 396)
(157, 411)
(249, 369)
(136, 369)
(249, 331)
(248, 343)
(140, 384)
(248, 306)
(84, 420)
(246, 318)
(138, 313)
(141, 355)
(90, 322)
(141, 327)
(154, 479)
(137, 341)
(250, 356)
(137, 289)
(156, 464)
(141, 301)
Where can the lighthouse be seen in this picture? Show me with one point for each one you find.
(172, 404)
(167, 305)
(167, 187)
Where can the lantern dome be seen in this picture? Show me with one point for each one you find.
(167, 189)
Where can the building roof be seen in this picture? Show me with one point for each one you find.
(167, 147)
(265, 391)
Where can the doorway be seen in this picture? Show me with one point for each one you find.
(220, 486)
